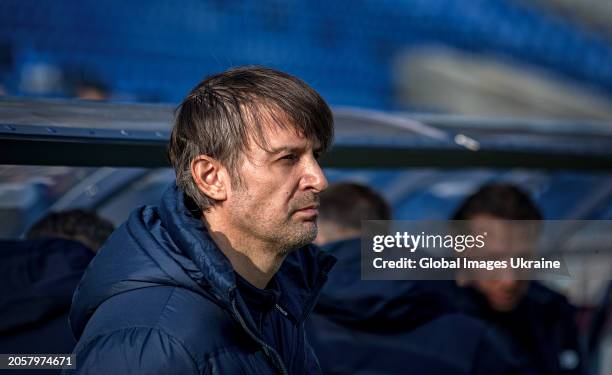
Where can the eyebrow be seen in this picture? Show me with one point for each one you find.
(278, 150)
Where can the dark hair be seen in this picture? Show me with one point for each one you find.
(79, 225)
(78, 78)
(346, 204)
(505, 201)
(224, 111)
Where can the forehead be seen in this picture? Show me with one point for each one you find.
(277, 137)
(502, 228)
(504, 237)
(275, 131)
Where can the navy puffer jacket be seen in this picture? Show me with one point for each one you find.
(161, 298)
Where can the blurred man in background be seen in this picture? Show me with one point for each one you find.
(78, 225)
(38, 277)
(387, 327)
(537, 323)
(345, 206)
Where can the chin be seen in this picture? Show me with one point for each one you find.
(505, 306)
(302, 237)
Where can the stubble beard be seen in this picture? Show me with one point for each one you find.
(300, 238)
(292, 234)
(305, 231)
(283, 236)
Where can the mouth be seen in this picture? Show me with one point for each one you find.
(312, 210)
(506, 296)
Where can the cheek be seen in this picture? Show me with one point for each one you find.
(279, 194)
(522, 287)
(269, 190)
(488, 287)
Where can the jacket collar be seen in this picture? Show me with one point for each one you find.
(301, 277)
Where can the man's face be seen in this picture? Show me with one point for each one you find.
(505, 239)
(503, 295)
(278, 198)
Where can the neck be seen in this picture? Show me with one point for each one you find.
(254, 260)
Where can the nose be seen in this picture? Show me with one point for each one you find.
(314, 178)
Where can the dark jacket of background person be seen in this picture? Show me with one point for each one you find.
(600, 330)
(541, 331)
(160, 297)
(37, 279)
(394, 327)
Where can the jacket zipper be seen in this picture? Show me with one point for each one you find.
(268, 350)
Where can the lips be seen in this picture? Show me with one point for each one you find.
(308, 204)
(311, 210)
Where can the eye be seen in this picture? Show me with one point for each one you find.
(290, 157)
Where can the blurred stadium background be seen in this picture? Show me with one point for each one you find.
(549, 58)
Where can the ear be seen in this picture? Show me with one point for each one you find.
(210, 177)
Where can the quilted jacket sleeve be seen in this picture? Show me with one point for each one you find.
(130, 351)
